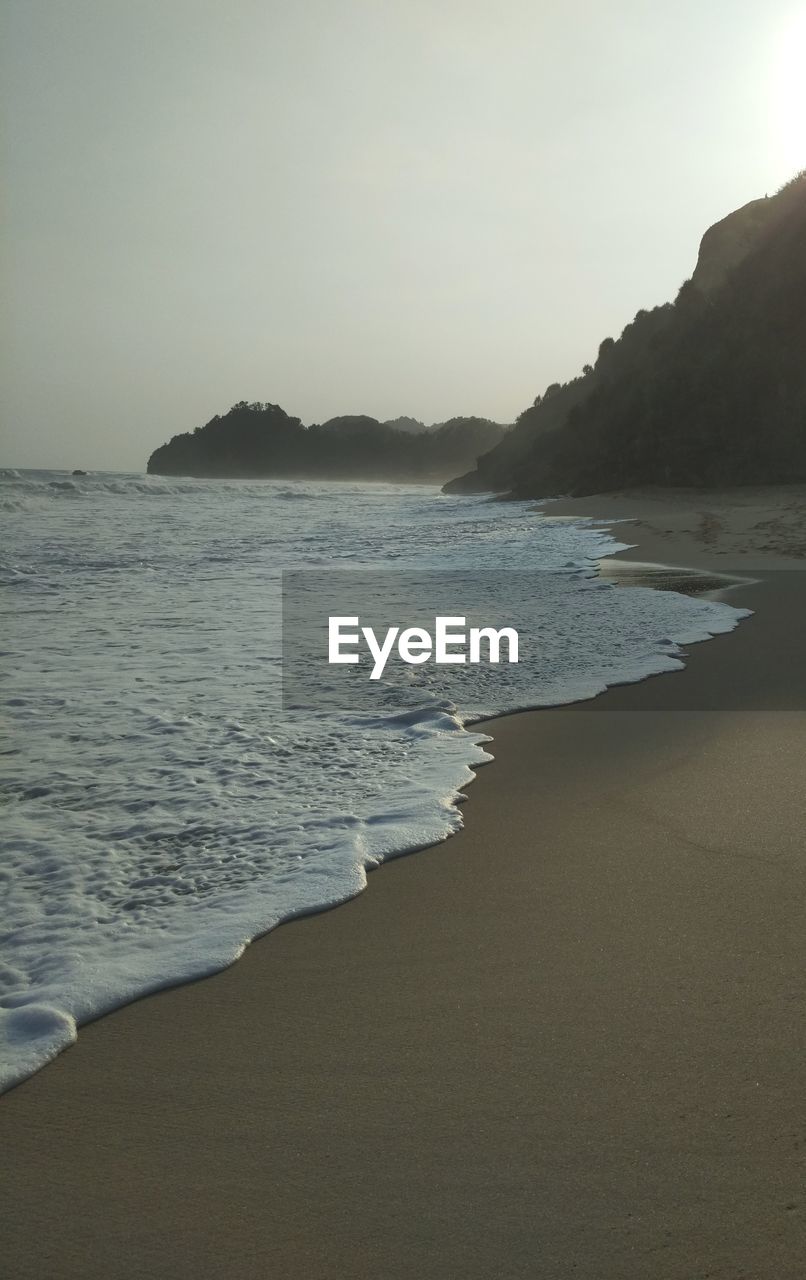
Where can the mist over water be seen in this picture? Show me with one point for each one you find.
(161, 808)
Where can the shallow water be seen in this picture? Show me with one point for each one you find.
(161, 809)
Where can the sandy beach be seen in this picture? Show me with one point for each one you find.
(570, 1041)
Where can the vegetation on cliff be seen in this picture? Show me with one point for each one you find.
(709, 390)
(261, 440)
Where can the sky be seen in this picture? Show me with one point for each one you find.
(419, 207)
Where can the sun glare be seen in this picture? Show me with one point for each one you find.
(789, 95)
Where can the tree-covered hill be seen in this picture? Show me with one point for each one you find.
(708, 390)
(261, 440)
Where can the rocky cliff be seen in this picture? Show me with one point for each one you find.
(708, 390)
(728, 241)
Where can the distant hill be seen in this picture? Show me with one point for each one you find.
(261, 440)
(412, 425)
(709, 390)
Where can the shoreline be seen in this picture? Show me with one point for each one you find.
(612, 564)
(475, 1066)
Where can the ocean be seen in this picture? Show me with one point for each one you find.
(162, 806)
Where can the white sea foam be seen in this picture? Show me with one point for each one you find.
(161, 809)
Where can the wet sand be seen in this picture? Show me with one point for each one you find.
(570, 1041)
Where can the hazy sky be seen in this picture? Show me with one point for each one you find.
(425, 207)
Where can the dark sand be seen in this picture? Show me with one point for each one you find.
(569, 1042)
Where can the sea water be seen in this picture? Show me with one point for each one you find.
(160, 807)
